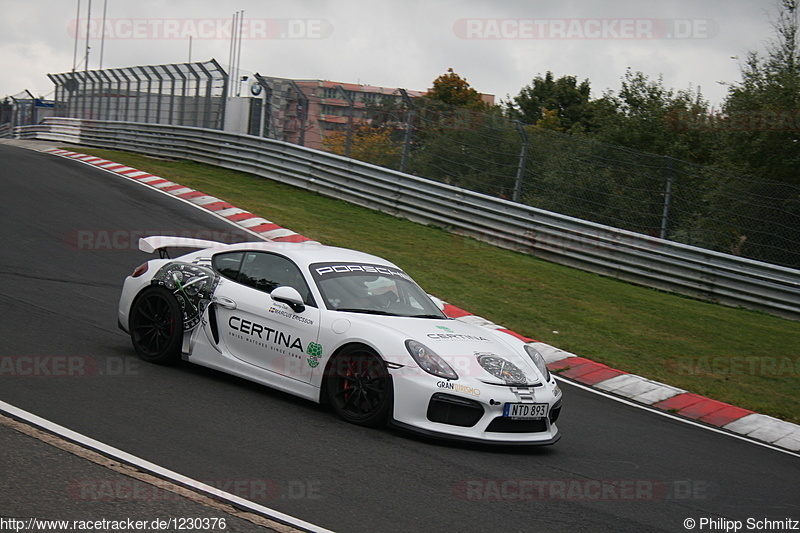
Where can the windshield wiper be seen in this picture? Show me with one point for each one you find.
(426, 316)
(366, 311)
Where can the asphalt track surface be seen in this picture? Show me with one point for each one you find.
(68, 240)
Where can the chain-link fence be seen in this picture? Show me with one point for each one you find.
(661, 196)
(184, 94)
(22, 109)
(576, 176)
(282, 112)
(475, 149)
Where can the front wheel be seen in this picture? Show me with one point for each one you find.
(359, 387)
(156, 326)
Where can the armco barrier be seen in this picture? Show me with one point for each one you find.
(625, 255)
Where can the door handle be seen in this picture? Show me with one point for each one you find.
(224, 301)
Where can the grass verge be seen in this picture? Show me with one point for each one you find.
(742, 357)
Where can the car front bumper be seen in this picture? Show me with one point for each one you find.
(472, 411)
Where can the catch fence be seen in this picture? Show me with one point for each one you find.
(183, 94)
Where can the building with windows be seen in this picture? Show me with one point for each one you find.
(198, 94)
(305, 111)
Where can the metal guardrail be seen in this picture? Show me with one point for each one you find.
(612, 252)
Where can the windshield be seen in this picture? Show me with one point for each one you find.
(373, 289)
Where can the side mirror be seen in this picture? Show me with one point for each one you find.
(290, 297)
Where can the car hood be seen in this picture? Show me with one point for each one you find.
(460, 344)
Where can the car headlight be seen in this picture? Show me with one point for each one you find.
(429, 360)
(539, 361)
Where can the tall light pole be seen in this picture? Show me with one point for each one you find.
(231, 49)
(103, 33)
(88, 27)
(75, 48)
(239, 55)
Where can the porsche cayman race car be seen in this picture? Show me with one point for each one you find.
(340, 327)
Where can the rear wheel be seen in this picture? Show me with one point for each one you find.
(359, 387)
(156, 326)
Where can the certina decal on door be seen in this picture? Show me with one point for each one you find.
(456, 337)
(263, 335)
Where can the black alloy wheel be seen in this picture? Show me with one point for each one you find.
(156, 326)
(359, 387)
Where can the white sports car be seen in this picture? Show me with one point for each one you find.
(340, 327)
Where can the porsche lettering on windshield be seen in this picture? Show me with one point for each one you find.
(372, 289)
(327, 270)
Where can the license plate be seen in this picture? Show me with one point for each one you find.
(525, 411)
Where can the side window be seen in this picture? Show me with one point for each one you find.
(228, 264)
(265, 272)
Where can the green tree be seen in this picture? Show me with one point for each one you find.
(652, 118)
(760, 113)
(629, 171)
(460, 139)
(560, 104)
(759, 134)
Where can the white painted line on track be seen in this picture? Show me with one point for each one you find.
(671, 416)
(116, 453)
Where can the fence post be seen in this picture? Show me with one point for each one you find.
(667, 197)
(350, 111)
(523, 155)
(409, 129)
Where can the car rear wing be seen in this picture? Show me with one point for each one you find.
(161, 243)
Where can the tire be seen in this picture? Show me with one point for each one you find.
(359, 387)
(156, 326)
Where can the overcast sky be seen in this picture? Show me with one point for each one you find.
(499, 46)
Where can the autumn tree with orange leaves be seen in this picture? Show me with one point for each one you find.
(372, 144)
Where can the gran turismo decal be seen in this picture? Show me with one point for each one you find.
(457, 387)
(192, 286)
(264, 334)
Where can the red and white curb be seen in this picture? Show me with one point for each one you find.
(250, 222)
(564, 364)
